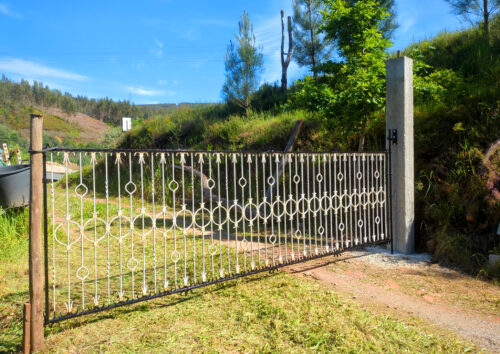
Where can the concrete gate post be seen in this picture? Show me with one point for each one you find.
(399, 124)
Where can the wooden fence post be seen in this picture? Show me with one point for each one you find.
(26, 328)
(35, 249)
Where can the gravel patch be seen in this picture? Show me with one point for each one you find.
(382, 257)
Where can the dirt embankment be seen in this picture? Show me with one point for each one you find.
(90, 129)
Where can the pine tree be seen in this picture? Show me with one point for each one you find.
(244, 64)
(311, 47)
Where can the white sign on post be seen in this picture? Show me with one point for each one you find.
(127, 124)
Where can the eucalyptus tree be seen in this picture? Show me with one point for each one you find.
(244, 65)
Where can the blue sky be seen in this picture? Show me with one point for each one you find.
(158, 51)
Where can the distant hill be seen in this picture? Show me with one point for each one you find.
(19, 94)
(60, 128)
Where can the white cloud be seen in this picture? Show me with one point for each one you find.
(406, 25)
(199, 63)
(5, 10)
(149, 92)
(268, 34)
(162, 82)
(153, 22)
(215, 22)
(157, 51)
(190, 34)
(38, 71)
(158, 43)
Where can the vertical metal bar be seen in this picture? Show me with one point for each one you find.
(389, 191)
(259, 244)
(184, 210)
(219, 206)
(309, 204)
(228, 219)
(45, 238)
(154, 219)
(193, 218)
(313, 198)
(336, 207)
(210, 186)
(52, 196)
(108, 263)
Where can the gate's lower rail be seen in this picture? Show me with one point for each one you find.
(127, 226)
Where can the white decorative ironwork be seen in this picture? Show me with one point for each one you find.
(130, 225)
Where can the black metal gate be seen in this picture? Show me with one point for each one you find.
(124, 226)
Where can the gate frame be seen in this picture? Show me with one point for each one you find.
(399, 121)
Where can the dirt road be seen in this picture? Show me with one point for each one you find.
(412, 286)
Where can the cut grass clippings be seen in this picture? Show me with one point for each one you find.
(264, 313)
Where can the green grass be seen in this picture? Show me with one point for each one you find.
(13, 275)
(13, 232)
(264, 313)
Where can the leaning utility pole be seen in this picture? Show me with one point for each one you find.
(285, 62)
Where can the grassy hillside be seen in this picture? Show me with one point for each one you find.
(458, 205)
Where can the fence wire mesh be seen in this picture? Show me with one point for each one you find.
(126, 226)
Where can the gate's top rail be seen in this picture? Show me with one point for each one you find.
(239, 152)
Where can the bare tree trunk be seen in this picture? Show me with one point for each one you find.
(285, 62)
(362, 136)
(486, 14)
(247, 96)
(311, 29)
